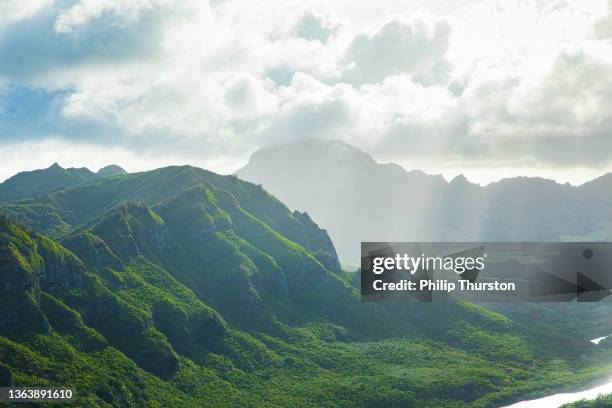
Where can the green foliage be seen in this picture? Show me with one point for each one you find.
(179, 287)
(604, 401)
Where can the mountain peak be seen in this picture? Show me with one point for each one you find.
(460, 179)
(33, 183)
(111, 170)
(311, 146)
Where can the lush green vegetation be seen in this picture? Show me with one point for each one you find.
(179, 287)
(604, 401)
(37, 182)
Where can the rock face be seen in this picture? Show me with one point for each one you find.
(20, 292)
(22, 272)
(20, 269)
(28, 265)
(319, 242)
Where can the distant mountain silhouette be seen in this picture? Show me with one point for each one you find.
(357, 199)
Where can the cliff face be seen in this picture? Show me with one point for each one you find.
(20, 274)
(30, 264)
(319, 242)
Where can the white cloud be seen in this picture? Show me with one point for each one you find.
(199, 81)
(14, 10)
(121, 11)
(603, 26)
(249, 98)
(317, 23)
(560, 115)
(417, 48)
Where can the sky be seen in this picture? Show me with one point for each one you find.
(489, 89)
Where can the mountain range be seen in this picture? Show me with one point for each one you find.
(32, 183)
(358, 199)
(182, 287)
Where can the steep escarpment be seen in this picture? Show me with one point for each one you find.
(30, 264)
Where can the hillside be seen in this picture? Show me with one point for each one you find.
(180, 287)
(60, 212)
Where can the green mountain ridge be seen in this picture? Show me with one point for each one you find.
(60, 212)
(180, 287)
(34, 183)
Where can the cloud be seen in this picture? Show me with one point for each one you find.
(211, 83)
(248, 98)
(561, 116)
(11, 11)
(603, 27)
(120, 13)
(553, 114)
(416, 48)
(52, 39)
(317, 23)
(308, 107)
